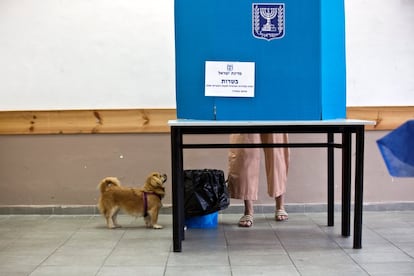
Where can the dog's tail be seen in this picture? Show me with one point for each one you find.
(108, 182)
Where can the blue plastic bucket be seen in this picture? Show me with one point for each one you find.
(206, 221)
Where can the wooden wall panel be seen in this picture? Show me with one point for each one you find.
(387, 117)
(86, 121)
(151, 120)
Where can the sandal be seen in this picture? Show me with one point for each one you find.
(246, 221)
(281, 215)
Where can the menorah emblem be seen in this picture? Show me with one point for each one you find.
(268, 14)
(268, 20)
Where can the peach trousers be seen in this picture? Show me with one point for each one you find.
(244, 166)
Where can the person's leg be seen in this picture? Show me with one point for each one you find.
(277, 165)
(280, 214)
(280, 202)
(243, 178)
(247, 219)
(243, 168)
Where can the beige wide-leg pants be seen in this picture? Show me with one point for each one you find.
(244, 166)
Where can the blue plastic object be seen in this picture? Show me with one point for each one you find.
(206, 221)
(397, 149)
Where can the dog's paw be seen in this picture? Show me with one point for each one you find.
(157, 226)
(114, 226)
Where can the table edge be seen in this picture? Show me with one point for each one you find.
(190, 122)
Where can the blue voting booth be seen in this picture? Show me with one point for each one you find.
(294, 49)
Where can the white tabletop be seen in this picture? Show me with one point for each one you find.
(348, 122)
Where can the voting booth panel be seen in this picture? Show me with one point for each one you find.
(260, 60)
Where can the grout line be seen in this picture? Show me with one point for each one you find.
(109, 254)
(388, 240)
(284, 248)
(58, 247)
(339, 245)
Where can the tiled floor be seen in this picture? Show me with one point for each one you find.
(81, 245)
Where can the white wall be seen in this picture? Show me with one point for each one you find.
(83, 54)
(380, 52)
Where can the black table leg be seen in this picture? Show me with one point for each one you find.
(331, 190)
(359, 187)
(177, 187)
(346, 182)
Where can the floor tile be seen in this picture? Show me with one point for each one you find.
(279, 270)
(68, 270)
(259, 260)
(195, 270)
(131, 270)
(389, 268)
(82, 245)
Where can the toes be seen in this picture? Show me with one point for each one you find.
(246, 221)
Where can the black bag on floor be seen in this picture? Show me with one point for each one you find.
(205, 192)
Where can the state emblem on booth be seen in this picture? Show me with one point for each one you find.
(268, 20)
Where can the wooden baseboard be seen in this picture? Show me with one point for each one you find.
(151, 120)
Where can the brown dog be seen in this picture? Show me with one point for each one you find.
(144, 201)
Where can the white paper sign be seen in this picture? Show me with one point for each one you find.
(229, 79)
